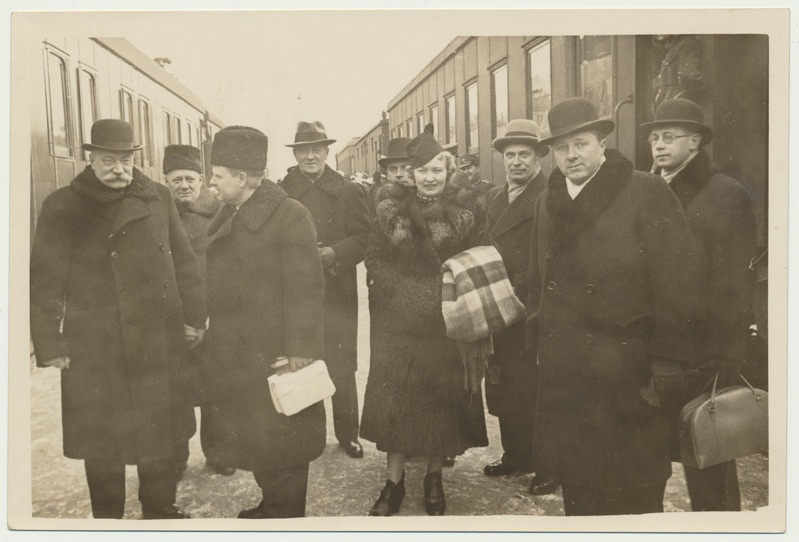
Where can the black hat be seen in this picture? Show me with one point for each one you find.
(423, 148)
(240, 147)
(310, 133)
(396, 151)
(524, 131)
(574, 115)
(111, 135)
(182, 157)
(681, 112)
(470, 159)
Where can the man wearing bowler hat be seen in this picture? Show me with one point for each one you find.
(116, 295)
(611, 297)
(720, 215)
(341, 214)
(512, 372)
(265, 290)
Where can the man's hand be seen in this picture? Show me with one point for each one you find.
(328, 257)
(193, 336)
(60, 362)
(296, 363)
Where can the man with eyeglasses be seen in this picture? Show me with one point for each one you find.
(341, 215)
(720, 216)
(116, 298)
(611, 295)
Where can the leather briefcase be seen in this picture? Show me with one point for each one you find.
(722, 425)
(295, 391)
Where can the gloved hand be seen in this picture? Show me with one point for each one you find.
(667, 387)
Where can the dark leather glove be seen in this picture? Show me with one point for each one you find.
(667, 387)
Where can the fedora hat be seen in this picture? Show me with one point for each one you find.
(681, 112)
(574, 115)
(111, 135)
(524, 131)
(396, 151)
(310, 133)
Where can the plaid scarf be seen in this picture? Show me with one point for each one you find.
(477, 300)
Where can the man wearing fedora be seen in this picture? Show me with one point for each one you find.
(341, 215)
(611, 296)
(512, 373)
(116, 295)
(720, 216)
(265, 290)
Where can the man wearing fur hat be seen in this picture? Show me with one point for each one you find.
(196, 206)
(265, 289)
(611, 297)
(512, 373)
(341, 214)
(115, 295)
(720, 216)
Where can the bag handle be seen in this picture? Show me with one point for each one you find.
(712, 407)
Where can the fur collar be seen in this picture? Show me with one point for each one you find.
(296, 184)
(207, 204)
(254, 212)
(87, 184)
(570, 216)
(689, 182)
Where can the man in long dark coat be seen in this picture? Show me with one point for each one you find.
(183, 173)
(341, 214)
(512, 372)
(720, 215)
(115, 296)
(265, 289)
(611, 296)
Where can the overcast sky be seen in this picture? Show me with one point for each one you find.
(271, 70)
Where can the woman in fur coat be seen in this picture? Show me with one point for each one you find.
(415, 401)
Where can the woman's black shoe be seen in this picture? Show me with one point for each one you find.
(390, 498)
(434, 503)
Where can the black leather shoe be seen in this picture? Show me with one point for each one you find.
(540, 485)
(388, 503)
(353, 448)
(434, 503)
(499, 468)
(167, 512)
(449, 461)
(253, 513)
(219, 468)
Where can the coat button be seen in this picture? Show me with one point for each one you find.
(115, 255)
(589, 289)
(122, 290)
(550, 333)
(161, 246)
(551, 285)
(590, 339)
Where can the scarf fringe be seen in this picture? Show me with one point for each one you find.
(474, 356)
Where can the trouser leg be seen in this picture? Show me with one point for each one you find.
(157, 484)
(206, 431)
(714, 488)
(284, 491)
(585, 501)
(516, 433)
(345, 408)
(106, 480)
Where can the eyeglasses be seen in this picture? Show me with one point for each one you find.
(667, 138)
(112, 162)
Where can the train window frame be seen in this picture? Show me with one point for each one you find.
(537, 115)
(185, 129)
(451, 118)
(420, 122)
(146, 132)
(66, 150)
(166, 127)
(176, 131)
(399, 130)
(433, 111)
(472, 141)
(500, 66)
(605, 108)
(129, 93)
(409, 127)
(84, 124)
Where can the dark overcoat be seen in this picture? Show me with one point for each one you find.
(196, 216)
(512, 371)
(611, 289)
(415, 401)
(120, 272)
(265, 289)
(341, 214)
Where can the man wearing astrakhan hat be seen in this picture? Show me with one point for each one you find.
(612, 290)
(116, 295)
(720, 215)
(265, 290)
(341, 214)
(511, 379)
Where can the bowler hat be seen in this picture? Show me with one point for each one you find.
(240, 147)
(681, 112)
(524, 131)
(396, 151)
(310, 133)
(111, 135)
(574, 115)
(182, 157)
(423, 148)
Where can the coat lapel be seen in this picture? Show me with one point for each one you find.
(130, 209)
(521, 210)
(688, 183)
(296, 184)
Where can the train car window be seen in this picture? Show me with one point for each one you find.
(126, 112)
(499, 101)
(145, 133)
(167, 129)
(420, 123)
(197, 137)
(472, 134)
(176, 130)
(409, 127)
(186, 135)
(434, 120)
(539, 98)
(399, 130)
(60, 128)
(449, 118)
(596, 72)
(87, 105)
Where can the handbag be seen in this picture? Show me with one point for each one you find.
(722, 425)
(295, 391)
